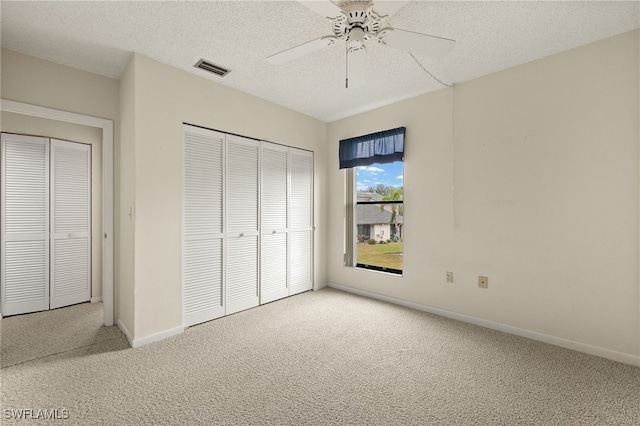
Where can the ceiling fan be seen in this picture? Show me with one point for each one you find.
(356, 22)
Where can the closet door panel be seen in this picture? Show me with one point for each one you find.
(242, 273)
(301, 189)
(242, 219)
(203, 237)
(301, 261)
(275, 187)
(274, 208)
(203, 290)
(301, 222)
(273, 263)
(24, 251)
(71, 223)
(242, 186)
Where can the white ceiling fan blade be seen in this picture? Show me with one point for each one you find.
(356, 69)
(322, 7)
(300, 50)
(418, 43)
(388, 7)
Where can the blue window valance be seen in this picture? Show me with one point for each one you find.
(381, 147)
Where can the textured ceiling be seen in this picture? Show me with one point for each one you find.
(100, 37)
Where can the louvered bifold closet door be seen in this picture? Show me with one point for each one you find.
(301, 221)
(24, 252)
(70, 223)
(203, 236)
(242, 219)
(274, 224)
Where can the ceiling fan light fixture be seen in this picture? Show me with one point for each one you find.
(355, 40)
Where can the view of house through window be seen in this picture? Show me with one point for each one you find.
(380, 216)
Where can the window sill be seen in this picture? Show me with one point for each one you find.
(391, 271)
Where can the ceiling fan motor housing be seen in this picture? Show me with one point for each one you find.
(358, 22)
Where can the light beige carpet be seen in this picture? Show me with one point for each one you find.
(328, 357)
(37, 335)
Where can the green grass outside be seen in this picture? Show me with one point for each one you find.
(386, 255)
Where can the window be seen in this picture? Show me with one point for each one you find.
(379, 216)
(374, 200)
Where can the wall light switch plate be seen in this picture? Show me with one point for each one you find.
(483, 282)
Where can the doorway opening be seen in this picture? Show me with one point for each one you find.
(106, 232)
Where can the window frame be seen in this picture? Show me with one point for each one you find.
(351, 228)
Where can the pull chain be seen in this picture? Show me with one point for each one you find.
(346, 66)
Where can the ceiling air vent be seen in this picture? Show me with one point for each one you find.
(208, 66)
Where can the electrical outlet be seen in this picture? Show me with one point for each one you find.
(483, 282)
(449, 277)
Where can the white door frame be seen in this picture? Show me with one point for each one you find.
(107, 184)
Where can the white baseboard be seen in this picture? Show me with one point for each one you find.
(136, 343)
(96, 299)
(124, 330)
(319, 286)
(534, 335)
(152, 338)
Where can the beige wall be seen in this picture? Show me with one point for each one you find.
(35, 126)
(125, 212)
(35, 81)
(529, 176)
(39, 82)
(166, 97)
